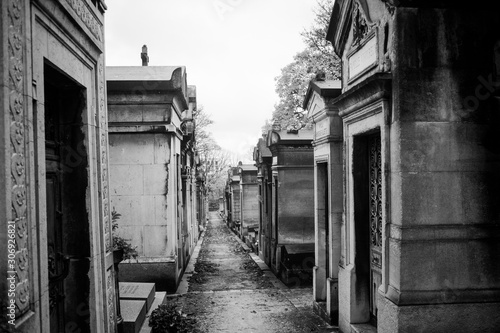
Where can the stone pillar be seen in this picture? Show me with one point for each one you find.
(443, 239)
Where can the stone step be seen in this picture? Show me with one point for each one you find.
(159, 299)
(133, 314)
(138, 291)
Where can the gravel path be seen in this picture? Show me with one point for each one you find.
(228, 292)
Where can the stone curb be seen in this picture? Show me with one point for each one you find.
(262, 265)
(189, 271)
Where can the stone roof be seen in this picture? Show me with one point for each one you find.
(142, 73)
(263, 149)
(248, 167)
(303, 136)
(329, 88)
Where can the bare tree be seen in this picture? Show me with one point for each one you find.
(214, 160)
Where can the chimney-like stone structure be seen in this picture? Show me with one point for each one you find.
(144, 55)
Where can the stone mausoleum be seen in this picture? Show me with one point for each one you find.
(54, 205)
(419, 238)
(328, 193)
(263, 161)
(291, 238)
(233, 200)
(153, 170)
(249, 203)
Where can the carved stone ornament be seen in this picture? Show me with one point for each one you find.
(375, 192)
(87, 17)
(360, 28)
(18, 161)
(110, 289)
(391, 5)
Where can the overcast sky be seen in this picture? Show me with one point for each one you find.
(232, 50)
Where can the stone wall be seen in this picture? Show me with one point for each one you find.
(139, 171)
(296, 206)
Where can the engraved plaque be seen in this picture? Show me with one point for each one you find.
(322, 128)
(363, 58)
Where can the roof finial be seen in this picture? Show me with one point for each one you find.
(144, 55)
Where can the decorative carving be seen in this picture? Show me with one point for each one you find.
(391, 5)
(85, 14)
(106, 221)
(360, 27)
(387, 65)
(103, 127)
(15, 14)
(110, 287)
(375, 192)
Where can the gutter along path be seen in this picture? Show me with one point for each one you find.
(225, 290)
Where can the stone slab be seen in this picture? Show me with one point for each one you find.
(160, 298)
(133, 314)
(138, 291)
(162, 272)
(363, 328)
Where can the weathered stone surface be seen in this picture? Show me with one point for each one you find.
(162, 273)
(138, 291)
(133, 314)
(438, 150)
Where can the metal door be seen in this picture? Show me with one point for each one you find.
(375, 190)
(57, 262)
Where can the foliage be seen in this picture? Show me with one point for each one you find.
(215, 160)
(317, 59)
(120, 243)
(166, 318)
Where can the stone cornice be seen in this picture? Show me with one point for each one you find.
(375, 87)
(441, 3)
(88, 16)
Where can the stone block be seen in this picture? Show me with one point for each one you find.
(467, 317)
(162, 274)
(126, 179)
(419, 266)
(136, 291)
(480, 195)
(131, 148)
(481, 254)
(134, 234)
(161, 211)
(136, 210)
(155, 113)
(439, 146)
(424, 95)
(155, 179)
(428, 147)
(159, 299)
(123, 113)
(133, 314)
(431, 198)
(394, 263)
(162, 149)
(155, 240)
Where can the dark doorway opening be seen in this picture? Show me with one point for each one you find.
(66, 178)
(323, 245)
(367, 174)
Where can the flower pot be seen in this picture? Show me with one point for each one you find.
(117, 256)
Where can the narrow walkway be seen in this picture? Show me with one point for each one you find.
(228, 292)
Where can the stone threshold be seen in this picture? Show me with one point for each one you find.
(363, 328)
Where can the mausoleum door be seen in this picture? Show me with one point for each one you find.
(375, 211)
(57, 266)
(66, 179)
(57, 263)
